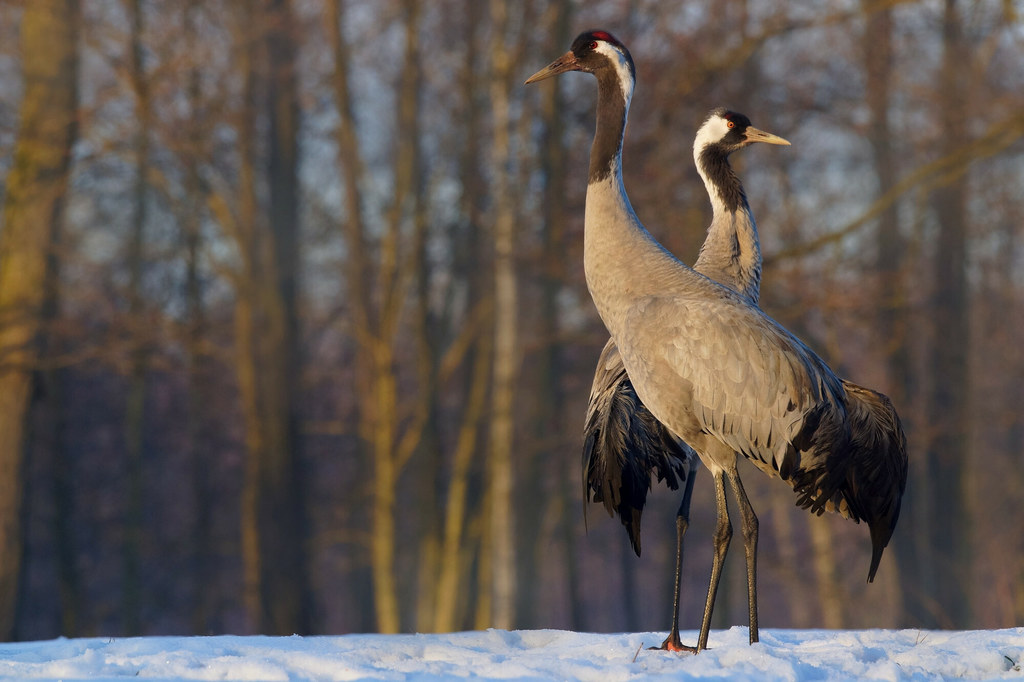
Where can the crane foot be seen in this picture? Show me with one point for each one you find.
(673, 643)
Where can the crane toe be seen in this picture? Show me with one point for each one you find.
(673, 643)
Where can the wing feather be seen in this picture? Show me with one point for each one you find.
(625, 447)
(732, 372)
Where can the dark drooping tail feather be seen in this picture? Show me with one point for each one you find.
(863, 473)
(878, 475)
(624, 446)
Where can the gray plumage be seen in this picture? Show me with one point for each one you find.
(712, 368)
(624, 445)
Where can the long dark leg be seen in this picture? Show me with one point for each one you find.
(672, 642)
(749, 524)
(723, 534)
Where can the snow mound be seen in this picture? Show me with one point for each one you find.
(530, 655)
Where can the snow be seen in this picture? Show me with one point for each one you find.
(530, 655)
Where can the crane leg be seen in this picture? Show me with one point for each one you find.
(749, 523)
(723, 534)
(672, 642)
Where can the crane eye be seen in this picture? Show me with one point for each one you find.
(730, 124)
(593, 44)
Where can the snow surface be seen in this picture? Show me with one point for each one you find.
(530, 655)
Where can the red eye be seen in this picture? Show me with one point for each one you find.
(593, 45)
(730, 124)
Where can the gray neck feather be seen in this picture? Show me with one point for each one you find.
(622, 262)
(731, 254)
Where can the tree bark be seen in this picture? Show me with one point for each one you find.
(548, 461)
(134, 416)
(500, 477)
(792, 584)
(33, 211)
(426, 465)
(830, 591)
(453, 558)
(276, 581)
(199, 426)
(385, 478)
(361, 312)
(452, 601)
(947, 403)
(893, 310)
(393, 276)
(52, 437)
(285, 527)
(244, 231)
(377, 313)
(358, 259)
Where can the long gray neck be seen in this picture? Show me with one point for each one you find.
(623, 263)
(731, 254)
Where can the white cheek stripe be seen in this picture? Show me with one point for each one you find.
(621, 66)
(713, 130)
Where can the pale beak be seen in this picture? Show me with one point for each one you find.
(567, 62)
(755, 135)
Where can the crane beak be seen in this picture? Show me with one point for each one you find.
(567, 62)
(755, 135)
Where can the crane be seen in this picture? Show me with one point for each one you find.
(624, 445)
(715, 370)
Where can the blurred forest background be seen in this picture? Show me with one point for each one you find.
(294, 335)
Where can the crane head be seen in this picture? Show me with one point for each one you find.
(593, 52)
(729, 131)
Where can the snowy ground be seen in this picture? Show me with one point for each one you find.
(530, 655)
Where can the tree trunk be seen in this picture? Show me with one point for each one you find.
(1007, 296)
(392, 277)
(792, 584)
(134, 416)
(199, 426)
(830, 591)
(350, 160)
(245, 367)
(385, 476)
(426, 332)
(283, 517)
(453, 601)
(33, 211)
(893, 309)
(547, 463)
(55, 410)
(273, 528)
(453, 560)
(947, 403)
(358, 265)
(377, 315)
(50, 449)
(245, 332)
(500, 483)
